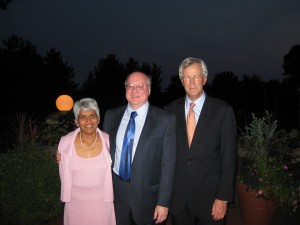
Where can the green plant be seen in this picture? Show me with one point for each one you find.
(55, 126)
(20, 130)
(30, 187)
(264, 164)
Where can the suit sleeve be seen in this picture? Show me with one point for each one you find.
(229, 156)
(168, 163)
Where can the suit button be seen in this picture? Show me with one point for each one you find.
(188, 162)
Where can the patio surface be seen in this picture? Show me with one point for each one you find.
(233, 218)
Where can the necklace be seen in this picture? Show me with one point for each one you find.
(88, 146)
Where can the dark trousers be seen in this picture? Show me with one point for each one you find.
(185, 217)
(122, 203)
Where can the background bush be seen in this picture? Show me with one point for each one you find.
(29, 188)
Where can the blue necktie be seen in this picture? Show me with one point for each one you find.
(125, 162)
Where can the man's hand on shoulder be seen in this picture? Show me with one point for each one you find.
(58, 157)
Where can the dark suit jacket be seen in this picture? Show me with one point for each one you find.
(206, 171)
(153, 166)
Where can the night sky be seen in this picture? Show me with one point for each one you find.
(245, 37)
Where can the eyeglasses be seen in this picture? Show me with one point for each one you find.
(139, 87)
(195, 78)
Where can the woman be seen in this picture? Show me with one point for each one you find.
(85, 170)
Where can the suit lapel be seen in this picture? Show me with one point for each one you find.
(150, 123)
(118, 115)
(203, 119)
(181, 122)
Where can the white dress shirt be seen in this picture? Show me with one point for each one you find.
(197, 108)
(139, 124)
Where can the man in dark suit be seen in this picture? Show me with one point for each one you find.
(144, 197)
(205, 168)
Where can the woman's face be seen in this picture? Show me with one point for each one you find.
(87, 121)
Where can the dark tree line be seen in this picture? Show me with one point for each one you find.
(4, 4)
(31, 83)
(106, 82)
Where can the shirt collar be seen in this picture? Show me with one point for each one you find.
(199, 103)
(143, 109)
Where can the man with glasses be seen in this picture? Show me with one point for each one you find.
(143, 151)
(206, 151)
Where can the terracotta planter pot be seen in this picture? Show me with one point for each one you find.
(254, 211)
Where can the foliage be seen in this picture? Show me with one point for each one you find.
(291, 66)
(56, 125)
(4, 4)
(20, 129)
(30, 186)
(34, 81)
(26, 131)
(264, 164)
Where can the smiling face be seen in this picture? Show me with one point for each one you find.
(138, 90)
(193, 81)
(87, 121)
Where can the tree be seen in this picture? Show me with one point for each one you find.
(4, 4)
(31, 83)
(174, 90)
(106, 83)
(57, 78)
(253, 94)
(291, 82)
(21, 67)
(34, 82)
(226, 85)
(291, 66)
(154, 72)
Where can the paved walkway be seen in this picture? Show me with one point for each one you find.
(233, 218)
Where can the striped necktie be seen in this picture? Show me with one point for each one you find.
(125, 162)
(190, 123)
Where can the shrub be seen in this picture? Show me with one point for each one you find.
(56, 125)
(30, 187)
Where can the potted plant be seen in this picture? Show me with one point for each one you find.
(264, 174)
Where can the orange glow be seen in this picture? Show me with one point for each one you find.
(64, 103)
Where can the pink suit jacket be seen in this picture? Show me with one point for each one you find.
(66, 148)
